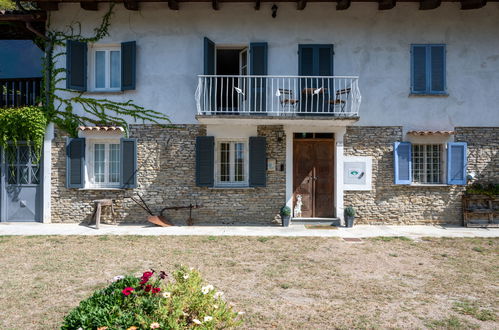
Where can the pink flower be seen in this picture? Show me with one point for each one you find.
(127, 291)
(155, 325)
(156, 290)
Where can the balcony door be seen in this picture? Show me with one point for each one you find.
(316, 61)
(232, 86)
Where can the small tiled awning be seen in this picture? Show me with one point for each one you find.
(101, 129)
(430, 133)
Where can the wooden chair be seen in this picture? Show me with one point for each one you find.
(338, 99)
(286, 98)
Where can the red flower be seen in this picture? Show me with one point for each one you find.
(147, 274)
(127, 291)
(148, 288)
(156, 290)
(144, 280)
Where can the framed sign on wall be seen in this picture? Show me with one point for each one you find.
(357, 173)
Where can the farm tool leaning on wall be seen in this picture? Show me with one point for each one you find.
(161, 220)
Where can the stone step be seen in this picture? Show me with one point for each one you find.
(315, 221)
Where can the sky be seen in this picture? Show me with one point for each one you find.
(20, 59)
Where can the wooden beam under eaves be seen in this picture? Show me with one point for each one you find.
(472, 4)
(48, 5)
(173, 4)
(131, 4)
(89, 5)
(429, 4)
(343, 4)
(301, 4)
(215, 4)
(386, 4)
(257, 4)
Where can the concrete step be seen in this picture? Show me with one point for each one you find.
(314, 221)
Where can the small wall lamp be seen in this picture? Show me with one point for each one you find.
(274, 10)
(280, 136)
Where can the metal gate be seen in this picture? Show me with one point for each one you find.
(21, 193)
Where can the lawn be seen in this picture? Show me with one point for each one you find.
(284, 283)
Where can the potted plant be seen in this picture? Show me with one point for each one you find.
(349, 216)
(285, 215)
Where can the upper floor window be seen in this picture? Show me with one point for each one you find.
(110, 67)
(106, 68)
(428, 69)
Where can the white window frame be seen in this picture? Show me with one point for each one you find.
(231, 183)
(107, 48)
(89, 163)
(425, 161)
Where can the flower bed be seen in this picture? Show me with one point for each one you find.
(154, 301)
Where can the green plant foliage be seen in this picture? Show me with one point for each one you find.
(60, 103)
(489, 189)
(350, 211)
(22, 124)
(285, 211)
(155, 302)
(7, 5)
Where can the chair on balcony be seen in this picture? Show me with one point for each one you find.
(341, 99)
(286, 99)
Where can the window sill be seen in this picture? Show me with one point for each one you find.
(106, 92)
(428, 95)
(102, 188)
(231, 187)
(429, 185)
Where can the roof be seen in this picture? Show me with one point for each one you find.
(430, 133)
(101, 128)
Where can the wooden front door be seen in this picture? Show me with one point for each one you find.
(313, 168)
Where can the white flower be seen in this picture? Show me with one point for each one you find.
(186, 276)
(215, 306)
(117, 278)
(155, 325)
(218, 294)
(240, 313)
(166, 294)
(196, 321)
(208, 318)
(207, 288)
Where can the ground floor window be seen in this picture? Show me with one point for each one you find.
(427, 163)
(104, 163)
(232, 162)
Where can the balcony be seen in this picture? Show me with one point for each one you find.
(281, 97)
(17, 92)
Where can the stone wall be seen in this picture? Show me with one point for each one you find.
(388, 203)
(166, 177)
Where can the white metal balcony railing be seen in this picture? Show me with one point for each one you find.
(278, 95)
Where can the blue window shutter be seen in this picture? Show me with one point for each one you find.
(325, 56)
(128, 164)
(402, 165)
(128, 65)
(209, 57)
(258, 58)
(257, 161)
(419, 77)
(437, 55)
(205, 159)
(258, 67)
(457, 163)
(306, 60)
(75, 162)
(76, 65)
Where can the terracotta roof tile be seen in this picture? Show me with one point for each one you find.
(101, 128)
(427, 133)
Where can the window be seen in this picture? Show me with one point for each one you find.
(428, 69)
(427, 163)
(104, 163)
(232, 165)
(106, 72)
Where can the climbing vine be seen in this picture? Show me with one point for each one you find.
(59, 103)
(25, 124)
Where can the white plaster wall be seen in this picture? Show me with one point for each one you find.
(369, 43)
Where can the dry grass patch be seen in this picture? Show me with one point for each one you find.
(311, 283)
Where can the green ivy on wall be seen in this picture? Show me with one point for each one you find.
(25, 124)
